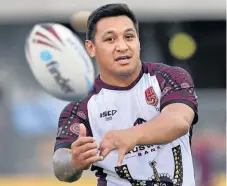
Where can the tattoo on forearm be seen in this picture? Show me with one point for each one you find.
(63, 169)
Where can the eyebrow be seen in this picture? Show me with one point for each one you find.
(130, 29)
(110, 31)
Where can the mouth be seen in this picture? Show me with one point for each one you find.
(123, 59)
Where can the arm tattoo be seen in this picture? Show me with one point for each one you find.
(63, 169)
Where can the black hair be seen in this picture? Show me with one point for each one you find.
(109, 10)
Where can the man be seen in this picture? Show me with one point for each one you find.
(135, 126)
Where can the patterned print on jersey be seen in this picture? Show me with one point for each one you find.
(178, 172)
(175, 79)
(158, 179)
(123, 172)
(69, 128)
(177, 179)
(169, 84)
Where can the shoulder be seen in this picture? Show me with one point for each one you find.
(166, 72)
(72, 114)
(160, 68)
(78, 108)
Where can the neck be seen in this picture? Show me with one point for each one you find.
(120, 81)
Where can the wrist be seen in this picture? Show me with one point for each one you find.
(137, 134)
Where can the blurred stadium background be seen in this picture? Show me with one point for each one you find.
(186, 33)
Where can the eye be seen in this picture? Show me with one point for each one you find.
(129, 36)
(109, 39)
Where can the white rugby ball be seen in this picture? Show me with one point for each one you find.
(59, 61)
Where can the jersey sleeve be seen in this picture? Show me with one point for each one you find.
(177, 87)
(68, 126)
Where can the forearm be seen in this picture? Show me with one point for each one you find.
(162, 129)
(63, 168)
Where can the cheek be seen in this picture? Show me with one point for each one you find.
(136, 48)
(104, 50)
(104, 56)
(104, 53)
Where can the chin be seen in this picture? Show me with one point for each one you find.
(125, 71)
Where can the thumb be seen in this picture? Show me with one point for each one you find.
(121, 155)
(83, 131)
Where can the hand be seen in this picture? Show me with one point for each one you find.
(121, 140)
(84, 150)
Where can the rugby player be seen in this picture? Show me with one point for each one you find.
(135, 126)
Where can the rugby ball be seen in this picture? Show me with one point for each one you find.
(59, 61)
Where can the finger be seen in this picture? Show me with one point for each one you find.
(90, 153)
(93, 159)
(86, 147)
(83, 140)
(121, 155)
(83, 130)
(106, 148)
(105, 152)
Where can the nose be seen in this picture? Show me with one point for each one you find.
(121, 46)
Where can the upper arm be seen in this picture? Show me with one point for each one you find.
(68, 126)
(182, 111)
(178, 93)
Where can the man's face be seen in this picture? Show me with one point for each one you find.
(116, 46)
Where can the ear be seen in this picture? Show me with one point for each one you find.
(90, 48)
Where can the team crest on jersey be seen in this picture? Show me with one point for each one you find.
(151, 97)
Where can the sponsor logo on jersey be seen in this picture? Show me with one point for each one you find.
(108, 114)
